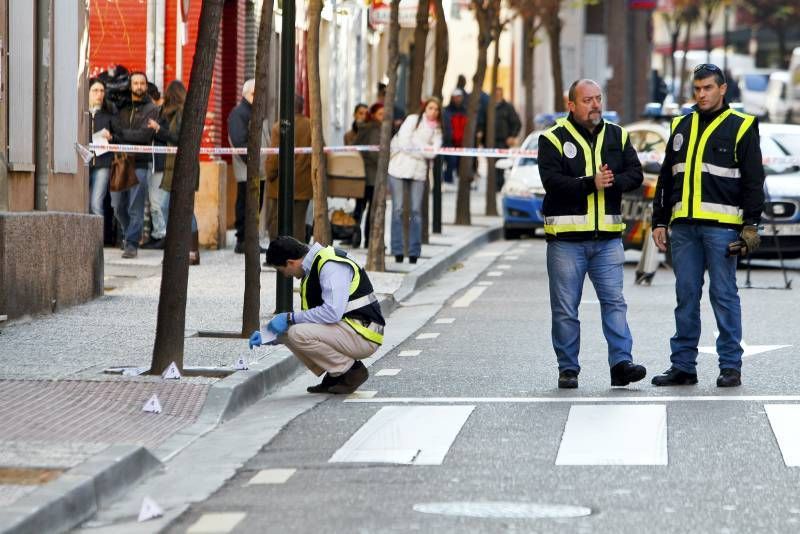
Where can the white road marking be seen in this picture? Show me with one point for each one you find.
(428, 335)
(415, 435)
(485, 283)
(494, 273)
(466, 299)
(749, 350)
(410, 353)
(445, 320)
(487, 254)
(510, 258)
(581, 400)
(272, 476)
(503, 267)
(362, 395)
(388, 372)
(590, 302)
(216, 523)
(785, 422)
(614, 435)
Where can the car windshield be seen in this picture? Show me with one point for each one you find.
(532, 143)
(756, 82)
(780, 145)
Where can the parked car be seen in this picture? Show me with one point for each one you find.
(781, 216)
(777, 100)
(753, 90)
(522, 193)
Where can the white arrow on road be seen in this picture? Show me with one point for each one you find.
(749, 350)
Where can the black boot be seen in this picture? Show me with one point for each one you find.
(351, 380)
(322, 387)
(674, 377)
(624, 373)
(568, 379)
(729, 378)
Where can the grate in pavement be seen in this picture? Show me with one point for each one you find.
(96, 411)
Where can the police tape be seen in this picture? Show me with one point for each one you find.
(87, 152)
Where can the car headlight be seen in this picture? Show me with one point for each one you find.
(521, 189)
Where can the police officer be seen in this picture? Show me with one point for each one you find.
(586, 164)
(710, 192)
(341, 321)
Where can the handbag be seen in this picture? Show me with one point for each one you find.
(123, 173)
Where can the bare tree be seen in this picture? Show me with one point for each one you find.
(417, 76)
(171, 321)
(552, 25)
(489, 141)
(442, 50)
(689, 16)
(709, 10)
(777, 15)
(484, 10)
(322, 227)
(375, 254)
(251, 308)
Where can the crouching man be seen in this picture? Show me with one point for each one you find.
(340, 323)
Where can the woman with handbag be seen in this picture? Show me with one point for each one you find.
(408, 169)
(167, 130)
(103, 118)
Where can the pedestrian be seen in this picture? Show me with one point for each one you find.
(454, 125)
(129, 204)
(359, 117)
(341, 321)
(586, 164)
(369, 133)
(238, 134)
(408, 169)
(167, 131)
(157, 197)
(506, 129)
(398, 113)
(103, 122)
(710, 193)
(303, 189)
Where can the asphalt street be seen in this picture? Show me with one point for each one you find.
(461, 428)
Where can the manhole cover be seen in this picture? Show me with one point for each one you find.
(503, 510)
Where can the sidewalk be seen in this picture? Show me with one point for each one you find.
(73, 437)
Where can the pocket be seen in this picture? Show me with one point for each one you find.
(721, 151)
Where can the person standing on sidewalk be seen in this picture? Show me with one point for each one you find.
(104, 121)
(369, 133)
(157, 196)
(129, 204)
(711, 194)
(454, 124)
(586, 164)
(506, 129)
(408, 169)
(341, 321)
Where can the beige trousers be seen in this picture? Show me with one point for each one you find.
(327, 347)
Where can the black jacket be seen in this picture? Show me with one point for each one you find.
(369, 133)
(725, 154)
(239, 125)
(570, 190)
(133, 127)
(105, 117)
(506, 123)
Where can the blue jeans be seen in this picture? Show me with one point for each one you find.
(450, 167)
(129, 208)
(158, 197)
(98, 185)
(568, 263)
(415, 214)
(165, 210)
(696, 248)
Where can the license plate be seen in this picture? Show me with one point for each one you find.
(781, 229)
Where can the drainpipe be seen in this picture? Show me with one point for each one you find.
(41, 175)
(160, 24)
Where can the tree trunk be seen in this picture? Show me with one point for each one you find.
(322, 226)
(465, 170)
(375, 254)
(783, 51)
(686, 39)
(171, 321)
(491, 112)
(673, 48)
(442, 50)
(418, 59)
(528, 50)
(553, 25)
(251, 308)
(708, 21)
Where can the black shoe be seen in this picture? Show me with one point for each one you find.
(398, 258)
(351, 380)
(674, 377)
(567, 379)
(239, 248)
(154, 244)
(624, 373)
(729, 378)
(322, 387)
(130, 252)
(412, 259)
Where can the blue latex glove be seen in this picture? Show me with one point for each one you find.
(255, 339)
(279, 324)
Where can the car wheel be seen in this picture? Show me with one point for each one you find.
(511, 233)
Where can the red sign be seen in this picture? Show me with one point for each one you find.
(642, 4)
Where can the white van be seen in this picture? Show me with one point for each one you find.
(776, 100)
(793, 87)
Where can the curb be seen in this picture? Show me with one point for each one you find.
(76, 495)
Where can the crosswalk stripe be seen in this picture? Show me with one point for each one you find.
(216, 523)
(619, 434)
(785, 422)
(579, 400)
(272, 476)
(414, 435)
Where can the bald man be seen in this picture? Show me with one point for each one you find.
(586, 164)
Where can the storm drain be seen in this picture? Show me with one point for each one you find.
(503, 510)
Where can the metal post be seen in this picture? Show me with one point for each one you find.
(437, 194)
(283, 285)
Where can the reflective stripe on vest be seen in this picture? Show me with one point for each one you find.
(372, 331)
(706, 210)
